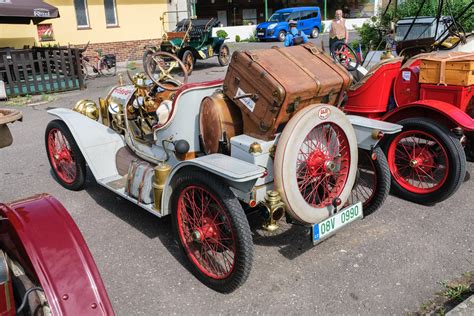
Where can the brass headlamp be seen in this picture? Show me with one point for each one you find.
(87, 108)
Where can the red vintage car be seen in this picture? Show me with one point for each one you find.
(427, 160)
(46, 267)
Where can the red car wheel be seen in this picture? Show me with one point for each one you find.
(315, 162)
(64, 156)
(323, 164)
(426, 161)
(213, 231)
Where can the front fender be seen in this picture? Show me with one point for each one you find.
(98, 143)
(41, 234)
(442, 112)
(367, 130)
(236, 173)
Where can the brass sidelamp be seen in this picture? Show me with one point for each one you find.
(275, 210)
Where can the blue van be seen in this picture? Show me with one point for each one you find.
(308, 18)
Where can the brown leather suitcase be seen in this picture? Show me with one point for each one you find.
(270, 85)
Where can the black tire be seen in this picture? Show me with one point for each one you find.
(281, 36)
(224, 55)
(315, 32)
(372, 184)
(77, 164)
(443, 148)
(189, 61)
(233, 225)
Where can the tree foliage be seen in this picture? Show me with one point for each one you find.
(452, 7)
(370, 32)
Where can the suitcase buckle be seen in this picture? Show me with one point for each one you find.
(313, 50)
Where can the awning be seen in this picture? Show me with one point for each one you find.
(25, 11)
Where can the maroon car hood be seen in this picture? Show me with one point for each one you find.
(58, 256)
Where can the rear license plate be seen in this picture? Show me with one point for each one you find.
(337, 221)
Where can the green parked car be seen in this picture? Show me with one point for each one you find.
(192, 40)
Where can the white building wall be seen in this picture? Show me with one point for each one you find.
(246, 31)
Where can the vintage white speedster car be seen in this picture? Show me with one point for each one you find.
(151, 146)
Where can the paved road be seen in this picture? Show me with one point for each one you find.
(388, 263)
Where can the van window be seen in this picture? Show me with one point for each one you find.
(279, 17)
(295, 16)
(309, 14)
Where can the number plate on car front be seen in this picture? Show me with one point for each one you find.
(337, 221)
(260, 34)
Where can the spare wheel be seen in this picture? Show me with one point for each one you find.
(315, 162)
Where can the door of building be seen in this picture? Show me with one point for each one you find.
(222, 17)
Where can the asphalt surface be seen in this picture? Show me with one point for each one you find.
(388, 263)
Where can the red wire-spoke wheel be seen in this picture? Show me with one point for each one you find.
(206, 232)
(315, 162)
(419, 162)
(213, 230)
(372, 184)
(64, 156)
(345, 55)
(322, 164)
(426, 160)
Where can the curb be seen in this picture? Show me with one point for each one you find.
(463, 309)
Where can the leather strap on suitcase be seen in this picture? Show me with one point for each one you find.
(299, 64)
(339, 69)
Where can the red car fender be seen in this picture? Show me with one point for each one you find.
(56, 253)
(442, 112)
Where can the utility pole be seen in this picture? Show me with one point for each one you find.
(325, 9)
(266, 10)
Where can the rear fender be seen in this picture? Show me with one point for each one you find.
(441, 112)
(97, 143)
(367, 130)
(234, 172)
(39, 233)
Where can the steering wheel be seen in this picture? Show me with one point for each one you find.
(345, 55)
(158, 67)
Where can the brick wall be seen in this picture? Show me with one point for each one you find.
(120, 49)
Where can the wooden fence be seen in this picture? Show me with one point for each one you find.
(41, 70)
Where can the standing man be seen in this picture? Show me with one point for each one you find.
(338, 30)
(294, 36)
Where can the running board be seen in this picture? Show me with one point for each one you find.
(117, 184)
